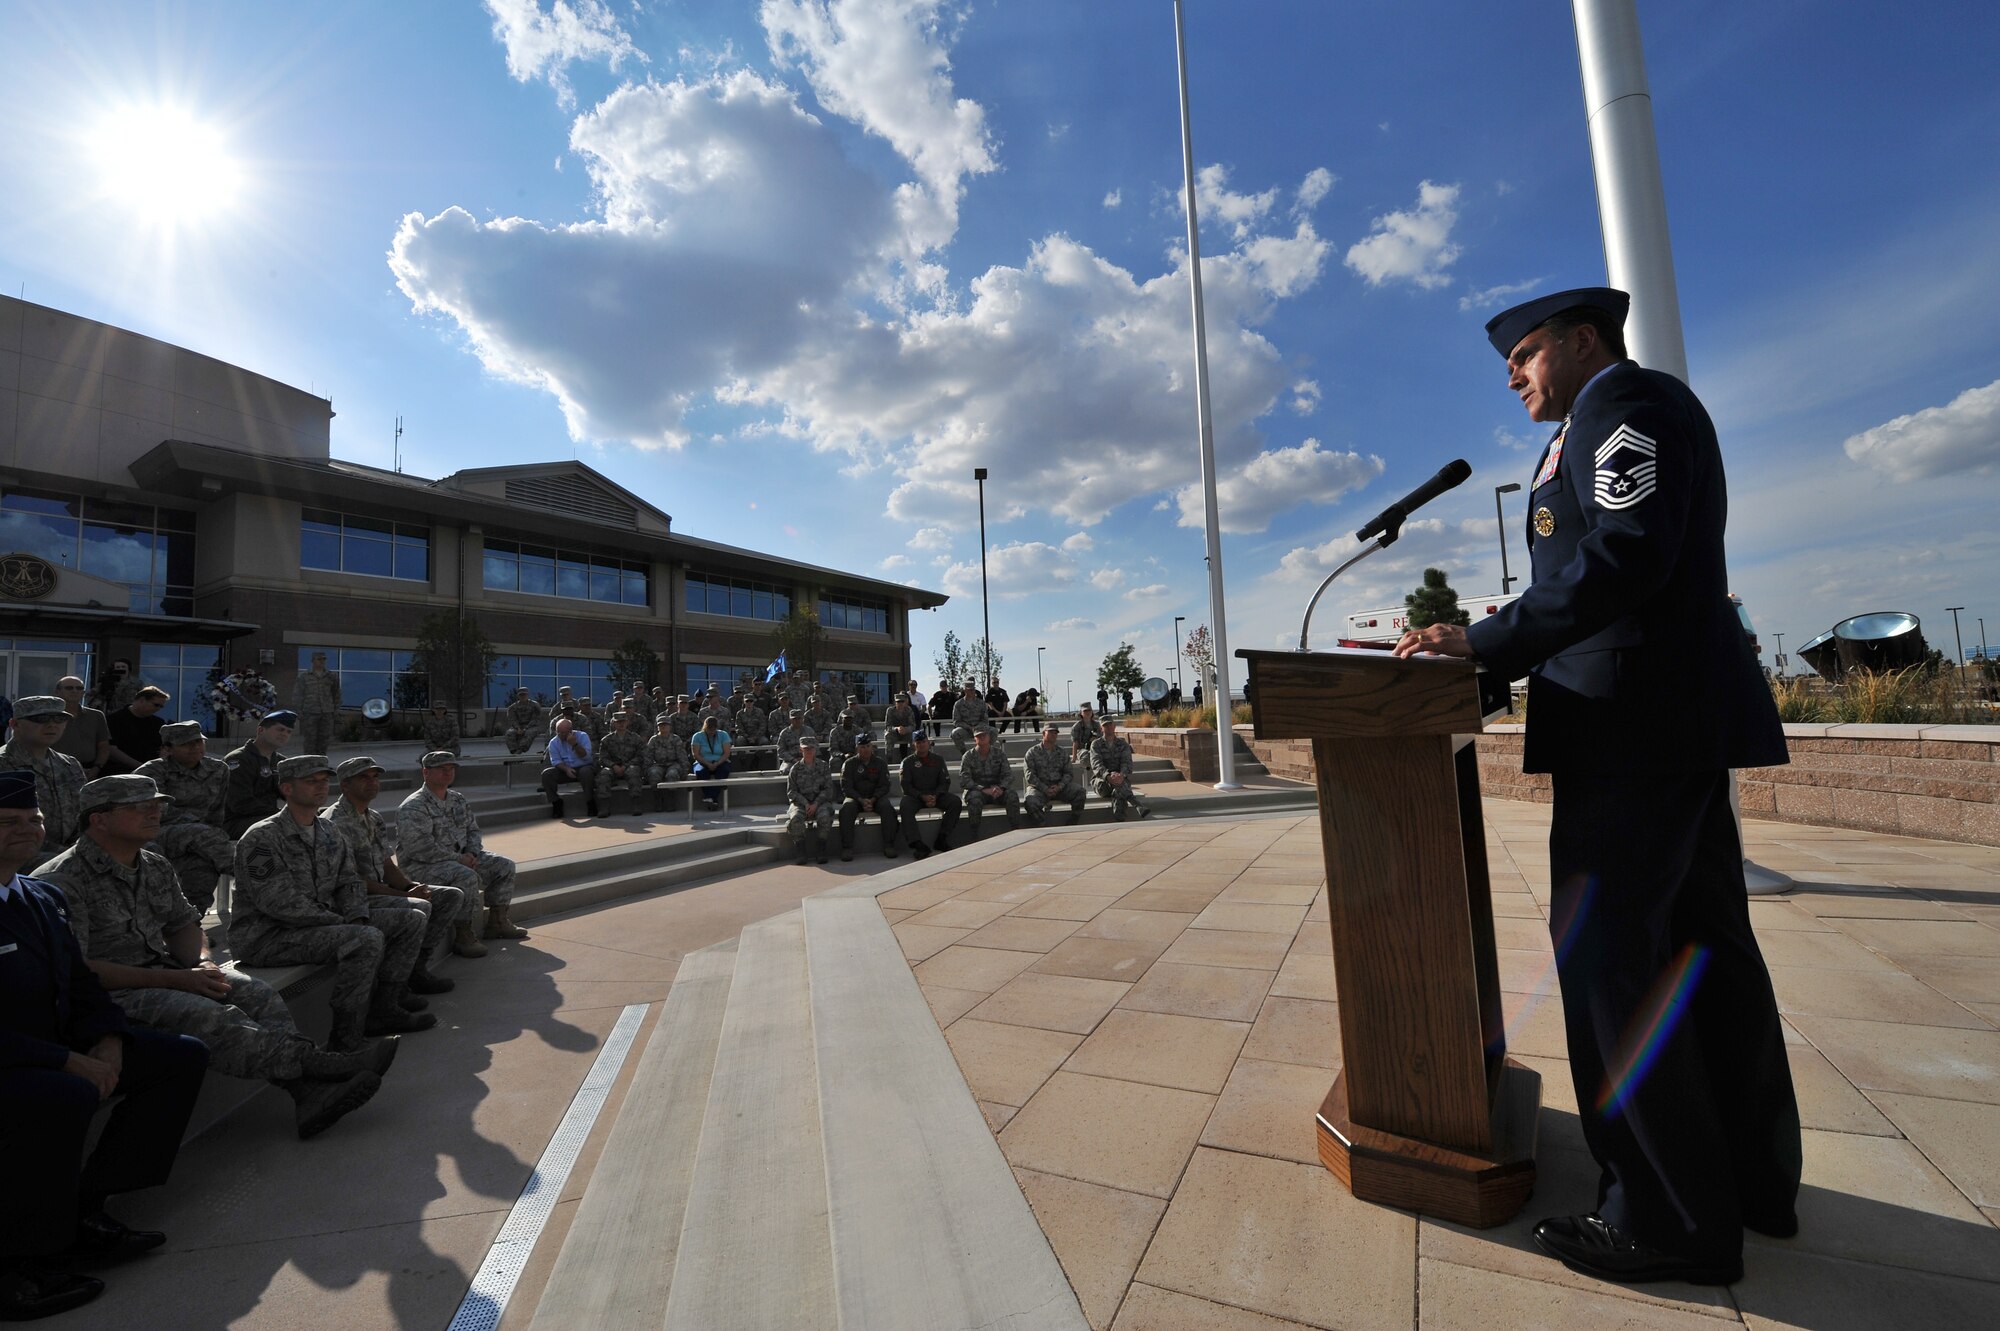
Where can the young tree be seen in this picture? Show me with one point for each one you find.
(633, 662)
(959, 661)
(800, 638)
(1119, 671)
(456, 656)
(1200, 653)
(1435, 602)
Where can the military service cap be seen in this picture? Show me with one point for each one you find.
(438, 758)
(109, 792)
(865, 737)
(304, 765)
(40, 708)
(17, 790)
(281, 717)
(356, 766)
(180, 732)
(1506, 329)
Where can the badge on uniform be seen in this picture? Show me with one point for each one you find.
(1545, 522)
(1547, 470)
(1627, 468)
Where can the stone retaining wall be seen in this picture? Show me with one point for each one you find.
(1927, 781)
(1191, 751)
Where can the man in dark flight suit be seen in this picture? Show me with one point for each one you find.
(1642, 694)
(65, 1048)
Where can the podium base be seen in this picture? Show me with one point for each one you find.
(1462, 1186)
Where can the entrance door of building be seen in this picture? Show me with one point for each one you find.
(31, 674)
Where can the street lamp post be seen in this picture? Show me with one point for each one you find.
(1982, 640)
(1041, 686)
(1955, 635)
(985, 603)
(1500, 519)
(1177, 649)
(1780, 661)
(1069, 694)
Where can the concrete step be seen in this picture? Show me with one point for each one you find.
(678, 871)
(629, 1221)
(928, 1227)
(754, 1248)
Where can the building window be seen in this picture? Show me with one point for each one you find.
(345, 543)
(372, 672)
(150, 550)
(718, 594)
(853, 613)
(541, 676)
(701, 674)
(540, 570)
(876, 687)
(184, 670)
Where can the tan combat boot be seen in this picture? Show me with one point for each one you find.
(465, 940)
(499, 925)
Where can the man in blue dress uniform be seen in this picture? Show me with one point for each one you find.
(65, 1048)
(1642, 694)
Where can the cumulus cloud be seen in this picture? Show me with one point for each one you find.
(1961, 436)
(894, 562)
(1248, 497)
(1079, 544)
(541, 44)
(1108, 579)
(1487, 297)
(930, 538)
(1216, 202)
(1314, 187)
(1305, 396)
(1114, 198)
(1525, 441)
(1426, 543)
(699, 184)
(1151, 592)
(1013, 570)
(883, 64)
(1413, 245)
(1074, 625)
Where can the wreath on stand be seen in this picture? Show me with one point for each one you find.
(240, 696)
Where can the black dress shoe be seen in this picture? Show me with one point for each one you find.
(28, 1292)
(1587, 1244)
(1773, 1226)
(99, 1238)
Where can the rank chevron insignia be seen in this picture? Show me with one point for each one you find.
(1625, 482)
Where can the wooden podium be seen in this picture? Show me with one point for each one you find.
(1427, 1113)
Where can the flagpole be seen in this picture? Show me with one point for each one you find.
(1225, 734)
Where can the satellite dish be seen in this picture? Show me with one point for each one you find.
(1153, 689)
(376, 709)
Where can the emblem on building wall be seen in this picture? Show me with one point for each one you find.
(26, 577)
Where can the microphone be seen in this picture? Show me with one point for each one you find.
(1388, 524)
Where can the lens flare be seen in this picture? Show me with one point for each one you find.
(1662, 1014)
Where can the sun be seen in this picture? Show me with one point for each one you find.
(165, 165)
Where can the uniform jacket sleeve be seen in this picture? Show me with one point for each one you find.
(417, 833)
(1627, 436)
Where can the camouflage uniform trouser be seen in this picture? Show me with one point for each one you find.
(977, 800)
(1038, 804)
(823, 820)
(200, 855)
(634, 781)
(370, 960)
(249, 1034)
(494, 876)
(518, 740)
(655, 775)
(1122, 797)
(316, 730)
(440, 913)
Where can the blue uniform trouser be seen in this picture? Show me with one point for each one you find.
(1674, 1041)
(45, 1116)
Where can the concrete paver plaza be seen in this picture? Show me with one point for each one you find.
(1146, 1014)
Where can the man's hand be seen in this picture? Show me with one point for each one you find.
(930, 801)
(1437, 640)
(359, 919)
(421, 891)
(95, 1071)
(206, 979)
(468, 859)
(868, 806)
(569, 773)
(1115, 778)
(992, 792)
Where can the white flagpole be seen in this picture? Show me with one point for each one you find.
(1632, 208)
(1225, 733)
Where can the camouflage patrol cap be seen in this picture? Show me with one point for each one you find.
(180, 732)
(40, 708)
(1051, 728)
(854, 697)
(354, 767)
(902, 697)
(664, 721)
(438, 758)
(304, 765)
(109, 792)
(809, 741)
(796, 714)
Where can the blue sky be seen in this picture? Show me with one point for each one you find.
(791, 270)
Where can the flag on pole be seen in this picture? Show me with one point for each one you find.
(775, 669)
